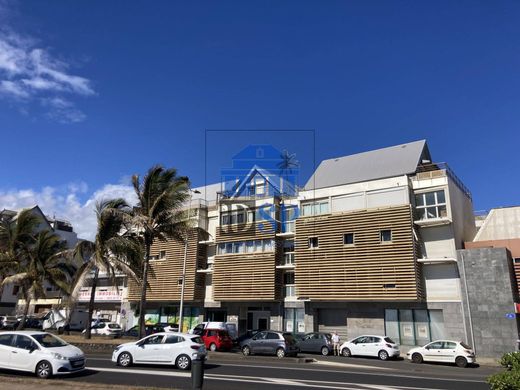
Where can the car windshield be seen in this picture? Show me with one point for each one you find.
(389, 340)
(49, 341)
(464, 345)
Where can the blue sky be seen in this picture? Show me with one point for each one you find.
(94, 91)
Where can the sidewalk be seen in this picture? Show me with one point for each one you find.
(29, 383)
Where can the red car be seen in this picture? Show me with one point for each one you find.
(217, 339)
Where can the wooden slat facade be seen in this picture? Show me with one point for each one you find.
(246, 276)
(165, 273)
(335, 271)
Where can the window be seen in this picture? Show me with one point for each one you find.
(386, 235)
(233, 217)
(348, 239)
(162, 254)
(430, 205)
(516, 260)
(315, 208)
(6, 339)
(449, 345)
(288, 278)
(272, 336)
(170, 339)
(436, 345)
(313, 242)
(246, 246)
(16, 288)
(153, 340)
(24, 342)
(268, 245)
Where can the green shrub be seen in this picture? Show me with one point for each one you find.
(511, 360)
(506, 380)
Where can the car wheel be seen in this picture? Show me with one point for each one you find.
(246, 350)
(382, 355)
(346, 352)
(280, 352)
(325, 351)
(183, 362)
(417, 358)
(124, 359)
(213, 347)
(461, 361)
(44, 370)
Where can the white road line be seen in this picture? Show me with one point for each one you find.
(141, 372)
(350, 365)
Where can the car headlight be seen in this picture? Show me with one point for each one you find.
(117, 348)
(58, 356)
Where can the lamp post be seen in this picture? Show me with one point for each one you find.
(183, 278)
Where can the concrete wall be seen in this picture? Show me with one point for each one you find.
(490, 296)
(500, 224)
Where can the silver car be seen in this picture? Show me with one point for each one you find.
(270, 342)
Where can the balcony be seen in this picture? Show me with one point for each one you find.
(289, 291)
(287, 261)
(287, 229)
(208, 270)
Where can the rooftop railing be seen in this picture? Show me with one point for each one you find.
(428, 171)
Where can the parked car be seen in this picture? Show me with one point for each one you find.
(229, 326)
(247, 335)
(39, 352)
(272, 343)
(106, 329)
(150, 329)
(9, 322)
(217, 339)
(34, 322)
(443, 351)
(178, 349)
(382, 347)
(316, 342)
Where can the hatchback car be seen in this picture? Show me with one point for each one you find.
(39, 352)
(316, 343)
(382, 347)
(271, 343)
(217, 339)
(178, 349)
(9, 322)
(443, 351)
(106, 329)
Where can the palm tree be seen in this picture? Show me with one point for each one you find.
(41, 261)
(158, 215)
(15, 234)
(286, 166)
(115, 249)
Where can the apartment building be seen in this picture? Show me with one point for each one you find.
(9, 300)
(368, 245)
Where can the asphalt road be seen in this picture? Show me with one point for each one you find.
(229, 371)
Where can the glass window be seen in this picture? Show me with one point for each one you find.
(229, 247)
(239, 247)
(225, 219)
(288, 278)
(392, 323)
(153, 340)
(222, 248)
(24, 342)
(260, 336)
(268, 245)
(6, 339)
(240, 217)
(272, 336)
(258, 246)
(348, 239)
(386, 235)
(313, 242)
(315, 208)
(435, 345)
(250, 216)
(430, 205)
(250, 246)
(48, 340)
(306, 210)
(171, 339)
(449, 345)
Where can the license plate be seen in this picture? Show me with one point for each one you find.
(77, 363)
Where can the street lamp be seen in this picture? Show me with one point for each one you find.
(181, 309)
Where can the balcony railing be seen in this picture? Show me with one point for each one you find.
(288, 259)
(288, 227)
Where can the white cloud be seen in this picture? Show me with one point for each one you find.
(30, 73)
(65, 203)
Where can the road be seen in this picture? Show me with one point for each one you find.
(228, 372)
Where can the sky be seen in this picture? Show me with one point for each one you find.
(92, 92)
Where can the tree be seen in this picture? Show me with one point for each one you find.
(115, 249)
(41, 261)
(158, 215)
(286, 166)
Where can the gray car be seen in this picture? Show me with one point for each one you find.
(316, 342)
(270, 342)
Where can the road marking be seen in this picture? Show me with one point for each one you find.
(141, 372)
(338, 364)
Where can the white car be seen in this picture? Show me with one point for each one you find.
(382, 347)
(161, 348)
(106, 329)
(443, 351)
(39, 352)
